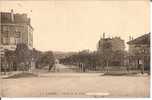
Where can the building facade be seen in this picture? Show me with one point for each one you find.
(15, 29)
(112, 50)
(139, 52)
(117, 44)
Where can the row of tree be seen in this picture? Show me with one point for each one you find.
(92, 60)
(23, 57)
(84, 57)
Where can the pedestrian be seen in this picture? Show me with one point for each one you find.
(51, 65)
(83, 67)
(141, 66)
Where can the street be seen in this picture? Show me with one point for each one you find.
(63, 68)
(66, 84)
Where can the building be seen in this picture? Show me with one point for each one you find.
(117, 44)
(139, 52)
(15, 29)
(111, 49)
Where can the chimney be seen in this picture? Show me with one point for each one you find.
(132, 38)
(103, 35)
(129, 38)
(12, 15)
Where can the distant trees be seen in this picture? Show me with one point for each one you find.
(86, 58)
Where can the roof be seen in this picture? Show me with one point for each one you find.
(144, 39)
(6, 17)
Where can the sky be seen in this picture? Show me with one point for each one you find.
(64, 25)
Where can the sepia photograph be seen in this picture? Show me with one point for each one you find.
(75, 48)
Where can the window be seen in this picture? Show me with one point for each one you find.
(18, 40)
(18, 34)
(12, 40)
(12, 28)
(5, 40)
(5, 34)
(5, 28)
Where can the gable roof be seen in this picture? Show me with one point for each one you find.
(144, 39)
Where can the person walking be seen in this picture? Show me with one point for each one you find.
(141, 66)
(51, 66)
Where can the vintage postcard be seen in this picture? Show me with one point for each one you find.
(75, 48)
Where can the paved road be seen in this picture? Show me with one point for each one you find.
(65, 84)
(65, 68)
(76, 85)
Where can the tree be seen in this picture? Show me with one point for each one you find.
(106, 53)
(118, 58)
(36, 56)
(23, 56)
(47, 58)
(10, 58)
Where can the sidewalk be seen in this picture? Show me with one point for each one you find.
(6, 74)
(12, 73)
